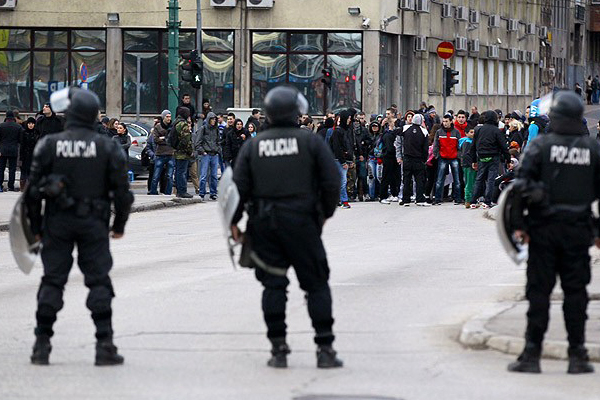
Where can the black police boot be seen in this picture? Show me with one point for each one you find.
(579, 361)
(528, 361)
(106, 353)
(279, 353)
(41, 350)
(327, 357)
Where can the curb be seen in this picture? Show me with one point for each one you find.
(158, 205)
(476, 336)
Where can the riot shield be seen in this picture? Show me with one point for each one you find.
(517, 251)
(229, 200)
(23, 244)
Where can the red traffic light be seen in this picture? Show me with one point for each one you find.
(347, 79)
(353, 77)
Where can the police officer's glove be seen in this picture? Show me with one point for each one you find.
(236, 234)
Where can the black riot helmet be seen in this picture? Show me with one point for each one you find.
(566, 104)
(284, 104)
(81, 106)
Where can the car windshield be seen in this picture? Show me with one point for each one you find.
(135, 130)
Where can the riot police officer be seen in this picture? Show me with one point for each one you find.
(557, 182)
(289, 181)
(78, 173)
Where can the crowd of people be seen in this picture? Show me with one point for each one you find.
(19, 137)
(415, 157)
(424, 158)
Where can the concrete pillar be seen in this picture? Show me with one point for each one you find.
(370, 78)
(114, 71)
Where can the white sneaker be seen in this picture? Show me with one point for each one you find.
(394, 199)
(385, 201)
(424, 204)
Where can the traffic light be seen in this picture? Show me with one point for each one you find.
(187, 60)
(450, 81)
(197, 72)
(326, 77)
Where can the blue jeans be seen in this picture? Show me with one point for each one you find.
(181, 169)
(441, 176)
(159, 163)
(207, 161)
(373, 182)
(344, 181)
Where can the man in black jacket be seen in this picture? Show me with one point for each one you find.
(557, 182)
(11, 135)
(49, 122)
(488, 150)
(79, 174)
(291, 180)
(391, 170)
(416, 149)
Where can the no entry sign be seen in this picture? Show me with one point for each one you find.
(445, 50)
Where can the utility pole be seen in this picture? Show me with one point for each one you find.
(199, 48)
(173, 62)
(444, 86)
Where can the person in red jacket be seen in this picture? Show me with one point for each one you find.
(460, 123)
(445, 149)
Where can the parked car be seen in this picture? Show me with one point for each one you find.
(139, 136)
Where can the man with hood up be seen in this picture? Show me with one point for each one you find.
(488, 150)
(208, 146)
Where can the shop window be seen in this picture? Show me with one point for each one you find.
(298, 58)
(34, 63)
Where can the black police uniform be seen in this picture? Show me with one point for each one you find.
(565, 166)
(78, 172)
(291, 183)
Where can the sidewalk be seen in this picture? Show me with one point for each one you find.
(502, 326)
(141, 203)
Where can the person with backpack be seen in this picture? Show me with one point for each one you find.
(180, 138)
(163, 158)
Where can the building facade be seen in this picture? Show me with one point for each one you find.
(380, 52)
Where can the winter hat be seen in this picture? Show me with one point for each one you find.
(165, 113)
(417, 119)
(30, 120)
(432, 111)
(105, 120)
(10, 114)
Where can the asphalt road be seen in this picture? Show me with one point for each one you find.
(403, 279)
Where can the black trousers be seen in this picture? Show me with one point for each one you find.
(283, 238)
(431, 176)
(413, 167)
(61, 232)
(562, 249)
(390, 178)
(12, 170)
